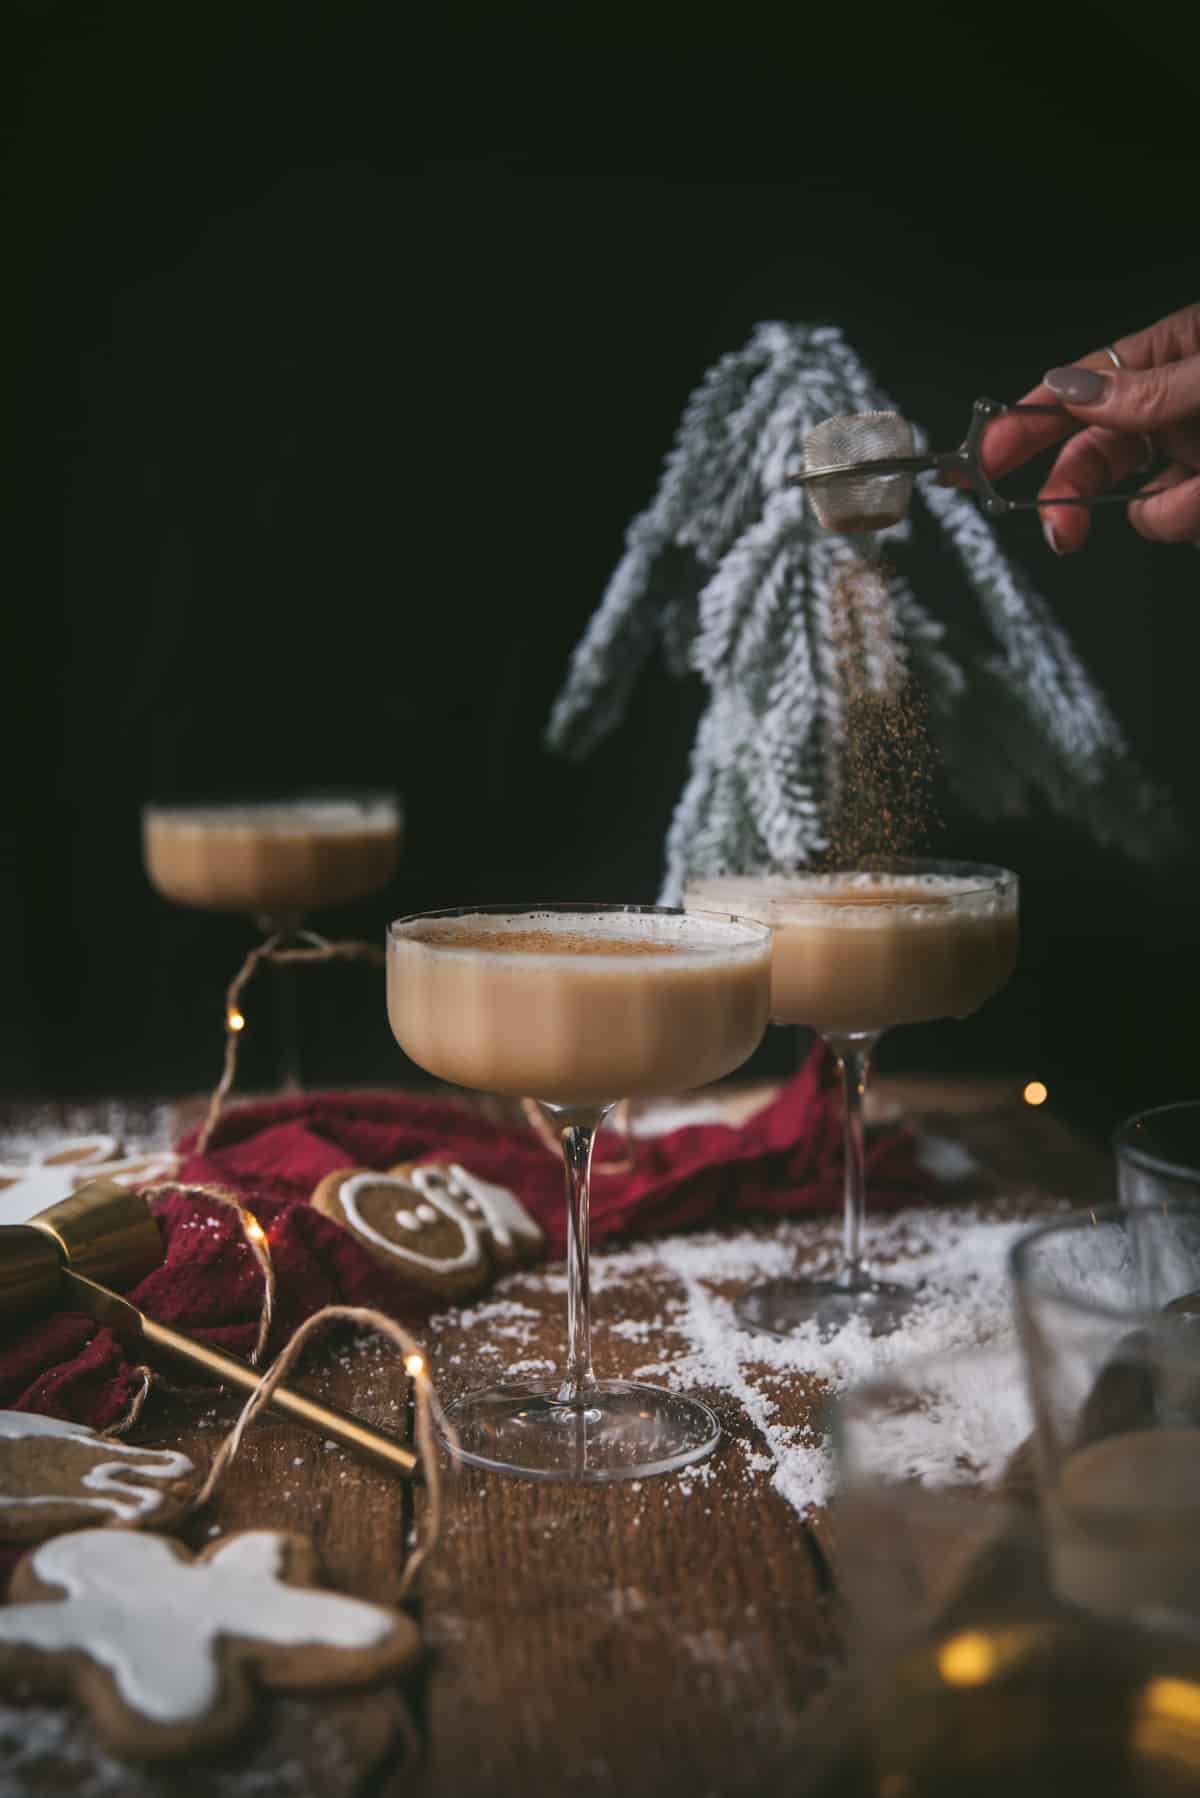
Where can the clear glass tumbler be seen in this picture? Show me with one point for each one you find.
(967, 1676)
(1105, 1304)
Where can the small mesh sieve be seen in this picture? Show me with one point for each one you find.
(866, 502)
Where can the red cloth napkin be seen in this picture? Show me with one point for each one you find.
(786, 1158)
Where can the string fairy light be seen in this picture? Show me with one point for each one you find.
(1035, 1093)
(968, 1659)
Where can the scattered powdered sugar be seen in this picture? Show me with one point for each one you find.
(955, 1421)
(639, 1329)
(54, 1750)
(508, 1317)
(957, 1261)
(138, 1128)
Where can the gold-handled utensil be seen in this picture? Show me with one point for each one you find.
(68, 1254)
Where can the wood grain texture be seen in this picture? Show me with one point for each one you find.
(680, 1635)
(639, 1638)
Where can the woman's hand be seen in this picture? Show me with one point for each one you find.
(1147, 409)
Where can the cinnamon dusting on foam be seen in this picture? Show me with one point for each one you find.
(541, 942)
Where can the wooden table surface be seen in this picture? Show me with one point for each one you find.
(670, 1635)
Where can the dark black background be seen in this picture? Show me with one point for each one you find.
(342, 341)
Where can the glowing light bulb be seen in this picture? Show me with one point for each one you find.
(1177, 1700)
(967, 1660)
(234, 1019)
(1035, 1093)
(414, 1367)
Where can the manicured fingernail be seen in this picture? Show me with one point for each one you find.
(1078, 386)
(1049, 533)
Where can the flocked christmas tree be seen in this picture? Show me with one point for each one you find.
(730, 571)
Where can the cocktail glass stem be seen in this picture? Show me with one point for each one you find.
(577, 1136)
(780, 1305)
(284, 1004)
(283, 979)
(854, 1065)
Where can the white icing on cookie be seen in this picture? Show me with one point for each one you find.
(407, 1220)
(471, 1255)
(29, 1187)
(155, 1621)
(426, 1214)
(504, 1215)
(108, 1479)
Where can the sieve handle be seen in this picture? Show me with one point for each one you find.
(966, 461)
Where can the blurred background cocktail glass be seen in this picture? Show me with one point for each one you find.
(277, 859)
(857, 952)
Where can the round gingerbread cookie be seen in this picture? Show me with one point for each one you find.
(57, 1476)
(433, 1225)
(165, 1650)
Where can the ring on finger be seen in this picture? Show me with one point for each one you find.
(1147, 440)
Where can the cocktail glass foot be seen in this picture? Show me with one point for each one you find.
(778, 1307)
(614, 1430)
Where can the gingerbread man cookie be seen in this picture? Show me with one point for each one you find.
(29, 1187)
(165, 1650)
(436, 1226)
(58, 1476)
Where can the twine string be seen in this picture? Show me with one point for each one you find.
(426, 1409)
(306, 946)
(284, 948)
(139, 1398)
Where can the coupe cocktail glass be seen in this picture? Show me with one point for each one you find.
(582, 1005)
(277, 860)
(856, 952)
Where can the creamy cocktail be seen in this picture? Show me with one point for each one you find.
(278, 860)
(856, 952)
(576, 1012)
(580, 1006)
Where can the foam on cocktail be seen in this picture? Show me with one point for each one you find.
(857, 887)
(283, 815)
(576, 934)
